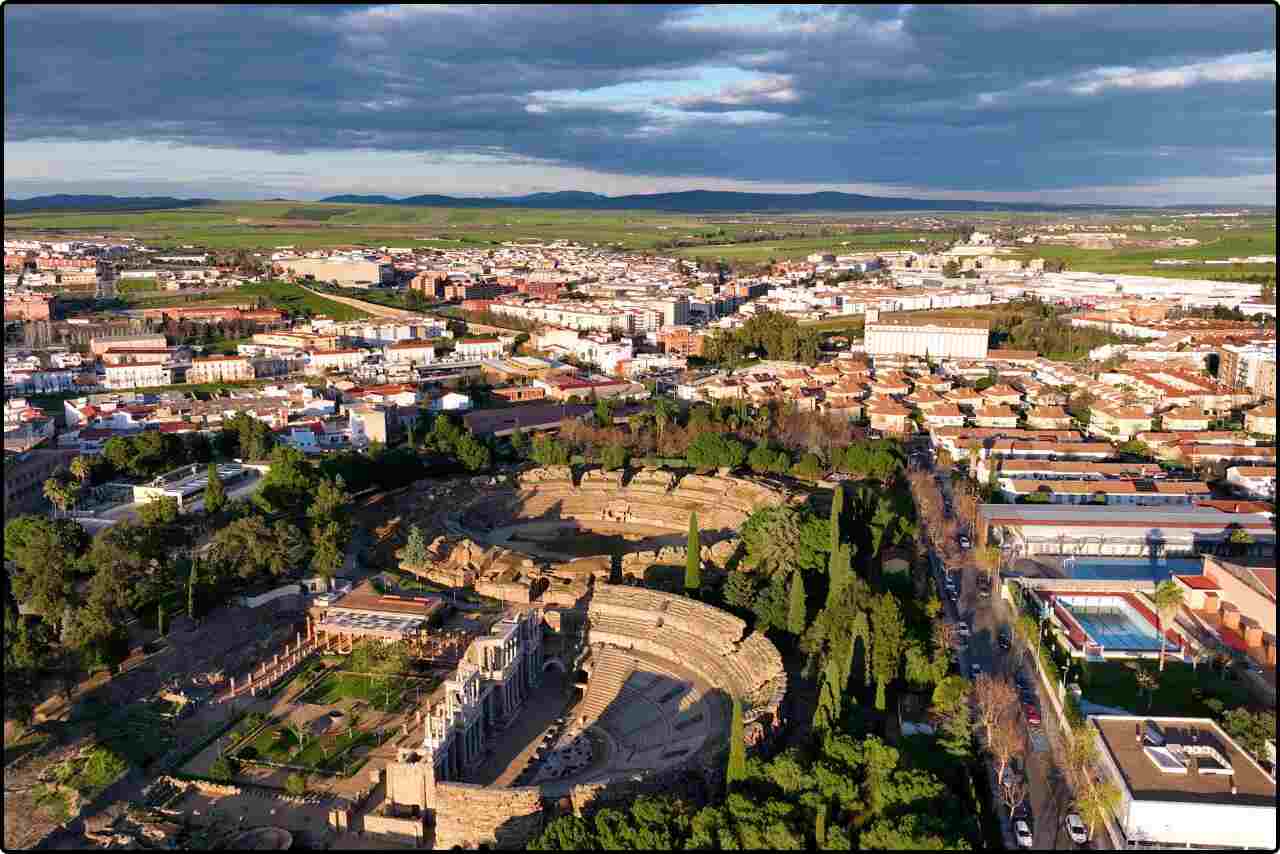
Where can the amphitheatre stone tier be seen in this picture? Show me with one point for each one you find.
(654, 498)
(696, 636)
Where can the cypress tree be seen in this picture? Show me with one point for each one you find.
(837, 513)
(160, 617)
(191, 589)
(839, 569)
(693, 561)
(737, 770)
(215, 494)
(796, 610)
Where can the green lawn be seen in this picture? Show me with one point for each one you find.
(386, 694)
(1181, 691)
(328, 752)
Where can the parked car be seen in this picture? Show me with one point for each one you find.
(964, 541)
(1033, 715)
(975, 669)
(1028, 697)
(1076, 829)
(1020, 680)
(1022, 831)
(962, 628)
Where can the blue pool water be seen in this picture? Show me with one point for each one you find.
(1113, 623)
(1131, 569)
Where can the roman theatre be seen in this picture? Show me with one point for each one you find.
(648, 675)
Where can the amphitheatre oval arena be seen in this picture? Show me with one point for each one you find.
(648, 676)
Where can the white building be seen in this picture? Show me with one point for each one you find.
(936, 340)
(478, 348)
(1185, 783)
(320, 361)
(137, 376)
(409, 352)
(1254, 481)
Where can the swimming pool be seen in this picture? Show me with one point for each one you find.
(1112, 622)
(1131, 569)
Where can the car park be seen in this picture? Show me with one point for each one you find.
(1022, 831)
(1076, 830)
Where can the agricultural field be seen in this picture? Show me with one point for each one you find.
(746, 253)
(265, 225)
(1216, 243)
(274, 294)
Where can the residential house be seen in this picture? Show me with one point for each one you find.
(1118, 423)
(1048, 418)
(1185, 418)
(1261, 420)
(996, 416)
(1253, 481)
(888, 416)
(215, 369)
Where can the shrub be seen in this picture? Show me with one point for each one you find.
(295, 784)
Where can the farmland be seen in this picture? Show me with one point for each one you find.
(264, 225)
(273, 294)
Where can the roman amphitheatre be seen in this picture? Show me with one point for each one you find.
(649, 675)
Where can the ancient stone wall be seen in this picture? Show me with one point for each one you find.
(470, 815)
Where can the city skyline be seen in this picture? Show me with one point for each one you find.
(1048, 104)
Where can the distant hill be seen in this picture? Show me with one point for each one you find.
(62, 202)
(708, 201)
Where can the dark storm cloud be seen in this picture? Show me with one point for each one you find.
(967, 97)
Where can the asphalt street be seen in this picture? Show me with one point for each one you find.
(1049, 798)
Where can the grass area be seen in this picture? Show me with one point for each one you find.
(128, 286)
(273, 293)
(1215, 245)
(780, 249)
(265, 225)
(1181, 691)
(384, 693)
(52, 403)
(329, 752)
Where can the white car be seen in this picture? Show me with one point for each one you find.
(1076, 829)
(1023, 832)
(962, 629)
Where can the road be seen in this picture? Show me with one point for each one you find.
(1049, 798)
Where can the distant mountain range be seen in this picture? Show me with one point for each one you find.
(709, 201)
(63, 202)
(691, 201)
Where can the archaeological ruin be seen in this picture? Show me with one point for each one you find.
(650, 675)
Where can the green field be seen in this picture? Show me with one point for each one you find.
(790, 249)
(1258, 239)
(264, 225)
(274, 294)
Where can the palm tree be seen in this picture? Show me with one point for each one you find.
(61, 492)
(81, 469)
(1168, 598)
(1147, 682)
(664, 412)
(1100, 800)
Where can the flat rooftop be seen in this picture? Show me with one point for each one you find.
(366, 598)
(1196, 778)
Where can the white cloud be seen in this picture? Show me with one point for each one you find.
(1236, 68)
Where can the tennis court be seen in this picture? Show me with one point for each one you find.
(1112, 622)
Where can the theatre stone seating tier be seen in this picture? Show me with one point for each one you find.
(691, 635)
(660, 712)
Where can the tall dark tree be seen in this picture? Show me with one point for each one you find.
(215, 494)
(796, 609)
(737, 770)
(693, 560)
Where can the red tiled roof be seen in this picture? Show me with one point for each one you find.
(1198, 582)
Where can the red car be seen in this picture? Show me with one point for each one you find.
(1033, 714)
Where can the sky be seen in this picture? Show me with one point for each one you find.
(1104, 104)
